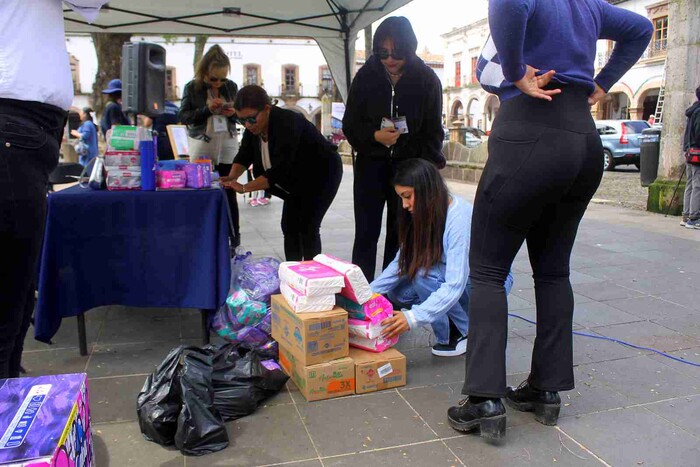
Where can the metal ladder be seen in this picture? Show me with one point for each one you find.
(659, 114)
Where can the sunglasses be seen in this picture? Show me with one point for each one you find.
(383, 54)
(216, 80)
(253, 119)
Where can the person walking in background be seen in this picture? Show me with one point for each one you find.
(87, 134)
(394, 112)
(691, 147)
(543, 168)
(112, 113)
(207, 110)
(430, 272)
(291, 160)
(33, 113)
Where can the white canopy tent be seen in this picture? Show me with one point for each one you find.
(333, 24)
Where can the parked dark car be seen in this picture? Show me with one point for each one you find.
(620, 140)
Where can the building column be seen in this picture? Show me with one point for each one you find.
(682, 77)
(636, 113)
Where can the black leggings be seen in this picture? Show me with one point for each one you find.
(545, 163)
(302, 214)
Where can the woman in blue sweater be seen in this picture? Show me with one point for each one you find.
(430, 272)
(87, 134)
(545, 164)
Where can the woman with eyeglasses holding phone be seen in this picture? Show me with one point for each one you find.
(292, 161)
(393, 113)
(207, 110)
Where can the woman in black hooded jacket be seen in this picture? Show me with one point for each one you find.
(393, 113)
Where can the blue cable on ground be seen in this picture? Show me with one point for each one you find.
(618, 341)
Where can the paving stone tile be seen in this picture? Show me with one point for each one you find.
(591, 350)
(590, 395)
(128, 359)
(633, 436)
(604, 291)
(650, 307)
(423, 368)
(642, 379)
(119, 312)
(114, 399)
(688, 325)
(53, 362)
(67, 335)
(434, 454)
(593, 314)
(654, 286)
(527, 445)
(687, 355)
(688, 298)
(683, 412)
(518, 355)
(515, 302)
(270, 435)
(122, 444)
(139, 330)
(354, 424)
(648, 334)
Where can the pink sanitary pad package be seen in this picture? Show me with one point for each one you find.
(171, 179)
(306, 304)
(376, 309)
(366, 329)
(356, 286)
(373, 345)
(311, 278)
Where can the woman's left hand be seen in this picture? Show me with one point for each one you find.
(227, 111)
(532, 84)
(234, 185)
(395, 326)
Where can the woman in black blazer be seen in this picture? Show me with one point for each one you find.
(291, 160)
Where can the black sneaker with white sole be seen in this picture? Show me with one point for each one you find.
(453, 349)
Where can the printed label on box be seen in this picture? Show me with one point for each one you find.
(24, 418)
(385, 370)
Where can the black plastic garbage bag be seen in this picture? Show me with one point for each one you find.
(242, 383)
(200, 428)
(159, 403)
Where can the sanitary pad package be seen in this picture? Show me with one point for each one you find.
(311, 278)
(366, 329)
(122, 158)
(306, 304)
(356, 286)
(123, 180)
(378, 344)
(376, 309)
(171, 179)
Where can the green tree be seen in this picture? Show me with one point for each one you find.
(108, 47)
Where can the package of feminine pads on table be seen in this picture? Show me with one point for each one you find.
(378, 344)
(306, 304)
(311, 278)
(356, 286)
(376, 309)
(366, 329)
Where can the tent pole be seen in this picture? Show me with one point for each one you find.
(346, 46)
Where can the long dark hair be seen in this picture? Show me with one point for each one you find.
(420, 233)
(399, 29)
(252, 97)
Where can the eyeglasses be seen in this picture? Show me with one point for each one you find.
(253, 119)
(383, 54)
(216, 80)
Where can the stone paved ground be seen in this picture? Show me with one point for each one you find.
(634, 275)
(622, 188)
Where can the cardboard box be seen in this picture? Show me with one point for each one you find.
(311, 337)
(322, 381)
(45, 421)
(378, 371)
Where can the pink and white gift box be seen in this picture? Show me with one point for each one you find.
(306, 303)
(378, 344)
(356, 287)
(311, 278)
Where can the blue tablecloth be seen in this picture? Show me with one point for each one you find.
(133, 248)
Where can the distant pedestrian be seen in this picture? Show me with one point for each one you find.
(112, 113)
(691, 147)
(87, 134)
(543, 168)
(651, 120)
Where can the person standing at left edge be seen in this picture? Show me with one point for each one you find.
(35, 95)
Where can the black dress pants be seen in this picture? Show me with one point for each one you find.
(303, 213)
(30, 135)
(235, 234)
(372, 189)
(545, 163)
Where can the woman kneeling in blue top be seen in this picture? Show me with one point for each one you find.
(430, 273)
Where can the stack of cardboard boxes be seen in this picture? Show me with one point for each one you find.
(314, 347)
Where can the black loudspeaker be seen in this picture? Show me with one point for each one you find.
(143, 78)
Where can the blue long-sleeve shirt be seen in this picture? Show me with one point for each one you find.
(88, 134)
(454, 265)
(559, 35)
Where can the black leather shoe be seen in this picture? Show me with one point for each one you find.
(545, 404)
(488, 416)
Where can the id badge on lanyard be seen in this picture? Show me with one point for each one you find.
(220, 124)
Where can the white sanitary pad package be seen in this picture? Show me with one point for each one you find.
(306, 304)
(356, 285)
(311, 278)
